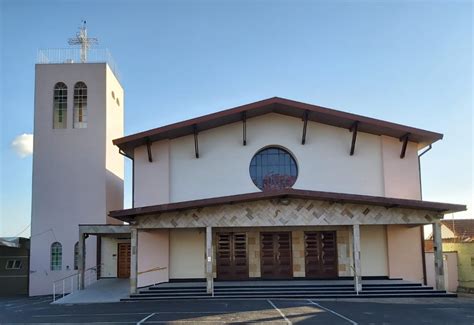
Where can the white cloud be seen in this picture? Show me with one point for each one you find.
(23, 145)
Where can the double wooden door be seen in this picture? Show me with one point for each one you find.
(321, 254)
(275, 255)
(123, 260)
(232, 256)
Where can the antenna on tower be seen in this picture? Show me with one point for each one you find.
(84, 41)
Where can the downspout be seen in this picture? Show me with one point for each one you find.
(422, 229)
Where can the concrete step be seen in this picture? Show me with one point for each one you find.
(299, 296)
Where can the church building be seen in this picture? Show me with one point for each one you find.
(275, 189)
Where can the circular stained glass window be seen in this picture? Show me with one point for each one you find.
(273, 168)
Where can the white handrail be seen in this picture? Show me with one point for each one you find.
(94, 270)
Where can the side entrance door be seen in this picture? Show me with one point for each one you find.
(320, 254)
(123, 260)
(275, 255)
(232, 256)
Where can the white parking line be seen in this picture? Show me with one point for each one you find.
(89, 314)
(144, 319)
(281, 313)
(333, 312)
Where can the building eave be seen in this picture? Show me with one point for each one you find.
(280, 106)
(129, 215)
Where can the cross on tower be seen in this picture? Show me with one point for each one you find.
(84, 41)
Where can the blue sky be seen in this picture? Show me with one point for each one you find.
(403, 61)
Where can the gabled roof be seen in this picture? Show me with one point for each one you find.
(462, 229)
(130, 214)
(281, 106)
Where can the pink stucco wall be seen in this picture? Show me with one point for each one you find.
(153, 251)
(404, 252)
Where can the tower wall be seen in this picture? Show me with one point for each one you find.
(76, 176)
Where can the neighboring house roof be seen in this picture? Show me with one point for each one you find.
(130, 214)
(16, 242)
(281, 106)
(462, 229)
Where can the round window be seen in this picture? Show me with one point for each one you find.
(273, 169)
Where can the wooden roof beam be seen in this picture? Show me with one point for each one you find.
(196, 143)
(305, 124)
(148, 147)
(353, 129)
(404, 139)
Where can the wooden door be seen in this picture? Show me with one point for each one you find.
(321, 254)
(123, 260)
(275, 255)
(232, 256)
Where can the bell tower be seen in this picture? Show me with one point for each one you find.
(77, 172)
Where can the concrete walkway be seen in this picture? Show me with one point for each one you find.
(104, 290)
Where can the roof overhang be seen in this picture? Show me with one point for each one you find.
(281, 106)
(129, 215)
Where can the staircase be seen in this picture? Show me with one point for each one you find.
(309, 289)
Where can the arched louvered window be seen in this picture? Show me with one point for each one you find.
(56, 256)
(60, 106)
(76, 256)
(80, 105)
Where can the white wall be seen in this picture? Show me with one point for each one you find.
(373, 251)
(71, 181)
(187, 253)
(324, 162)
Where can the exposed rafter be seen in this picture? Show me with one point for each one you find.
(404, 139)
(244, 128)
(148, 147)
(196, 144)
(354, 129)
(305, 124)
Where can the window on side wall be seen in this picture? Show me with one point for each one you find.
(56, 256)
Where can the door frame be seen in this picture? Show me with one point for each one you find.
(291, 276)
(118, 258)
(232, 233)
(336, 253)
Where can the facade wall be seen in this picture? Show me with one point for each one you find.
(324, 162)
(404, 252)
(152, 179)
(153, 252)
(401, 176)
(254, 254)
(465, 262)
(187, 253)
(74, 181)
(344, 250)
(298, 253)
(109, 254)
(373, 247)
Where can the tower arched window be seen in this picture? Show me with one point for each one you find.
(76, 256)
(80, 105)
(56, 256)
(60, 106)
